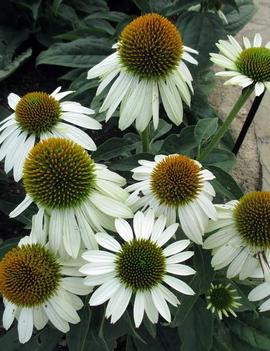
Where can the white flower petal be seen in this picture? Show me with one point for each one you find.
(13, 99)
(108, 242)
(161, 304)
(124, 229)
(138, 308)
(9, 314)
(178, 285)
(260, 292)
(25, 324)
(104, 292)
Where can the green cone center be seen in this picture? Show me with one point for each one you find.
(37, 112)
(150, 46)
(255, 64)
(176, 180)
(221, 297)
(252, 218)
(29, 275)
(140, 265)
(58, 173)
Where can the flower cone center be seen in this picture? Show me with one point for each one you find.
(176, 180)
(252, 217)
(37, 112)
(58, 173)
(150, 46)
(29, 275)
(140, 265)
(255, 64)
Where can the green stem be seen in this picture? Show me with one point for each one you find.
(226, 124)
(145, 139)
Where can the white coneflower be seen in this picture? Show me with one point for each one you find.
(140, 266)
(75, 196)
(259, 293)
(222, 300)
(37, 116)
(148, 65)
(177, 187)
(242, 240)
(245, 66)
(37, 287)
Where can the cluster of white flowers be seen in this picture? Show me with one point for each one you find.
(81, 237)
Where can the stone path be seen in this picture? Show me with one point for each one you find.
(252, 168)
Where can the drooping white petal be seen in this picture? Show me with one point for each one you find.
(25, 324)
(40, 317)
(138, 309)
(161, 304)
(176, 247)
(54, 317)
(9, 314)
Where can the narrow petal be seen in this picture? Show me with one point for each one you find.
(179, 285)
(25, 324)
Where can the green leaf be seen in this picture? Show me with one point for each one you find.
(239, 18)
(201, 31)
(203, 268)
(112, 148)
(33, 5)
(163, 128)
(44, 340)
(250, 335)
(127, 163)
(76, 337)
(225, 185)
(182, 143)
(197, 332)
(7, 245)
(15, 63)
(204, 129)
(220, 158)
(80, 53)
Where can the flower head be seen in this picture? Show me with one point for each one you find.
(38, 116)
(148, 64)
(246, 66)
(177, 187)
(242, 239)
(140, 266)
(36, 289)
(222, 300)
(75, 196)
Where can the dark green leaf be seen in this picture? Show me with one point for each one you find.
(204, 129)
(8, 245)
(197, 332)
(225, 185)
(182, 143)
(201, 31)
(239, 18)
(113, 148)
(44, 340)
(80, 53)
(220, 158)
(204, 270)
(250, 335)
(76, 337)
(127, 163)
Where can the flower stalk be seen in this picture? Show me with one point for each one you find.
(226, 124)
